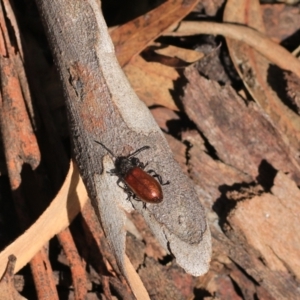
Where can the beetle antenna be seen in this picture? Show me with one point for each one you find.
(109, 151)
(138, 151)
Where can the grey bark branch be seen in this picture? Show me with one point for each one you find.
(102, 106)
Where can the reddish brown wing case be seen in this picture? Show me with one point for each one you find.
(145, 187)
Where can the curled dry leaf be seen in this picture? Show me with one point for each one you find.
(65, 206)
(150, 89)
(187, 55)
(133, 37)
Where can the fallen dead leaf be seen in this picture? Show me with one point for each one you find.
(133, 37)
(187, 55)
(152, 82)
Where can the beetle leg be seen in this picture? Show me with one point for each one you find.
(155, 175)
(118, 183)
(143, 166)
(133, 195)
(129, 192)
(112, 172)
(128, 196)
(126, 189)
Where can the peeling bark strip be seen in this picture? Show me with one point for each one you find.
(233, 127)
(257, 226)
(102, 106)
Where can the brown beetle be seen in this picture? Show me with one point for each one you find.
(138, 183)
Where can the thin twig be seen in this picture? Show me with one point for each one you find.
(260, 42)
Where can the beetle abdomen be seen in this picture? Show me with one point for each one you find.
(145, 187)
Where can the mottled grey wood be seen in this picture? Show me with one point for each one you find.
(102, 106)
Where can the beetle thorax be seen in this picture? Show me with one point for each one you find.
(123, 164)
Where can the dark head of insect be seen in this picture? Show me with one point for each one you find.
(138, 183)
